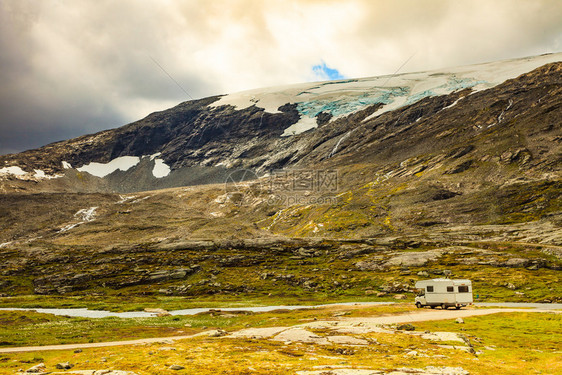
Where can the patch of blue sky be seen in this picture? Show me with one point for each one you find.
(323, 72)
(351, 104)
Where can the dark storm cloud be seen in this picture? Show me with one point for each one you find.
(74, 67)
(70, 68)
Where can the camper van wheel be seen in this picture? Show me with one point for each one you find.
(443, 307)
(418, 305)
(432, 306)
(457, 307)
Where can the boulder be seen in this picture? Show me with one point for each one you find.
(309, 284)
(368, 266)
(218, 333)
(517, 262)
(413, 259)
(305, 252)
(64, 366)
(36, 369)
(157, 311)
(395, 288)
(406, 327)
(168, 274)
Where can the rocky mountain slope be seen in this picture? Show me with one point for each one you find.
(334, 188)
(373, 120)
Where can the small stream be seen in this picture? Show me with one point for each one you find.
(86, 313)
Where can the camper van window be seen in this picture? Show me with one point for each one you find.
(463, 289)
(429, 288)
(450, 289)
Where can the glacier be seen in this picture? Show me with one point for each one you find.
(344, 97)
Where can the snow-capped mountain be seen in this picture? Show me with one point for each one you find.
(376, 120)
(337, 99)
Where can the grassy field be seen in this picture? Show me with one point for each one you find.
(506, 343)
(29, 328)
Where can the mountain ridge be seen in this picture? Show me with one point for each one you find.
(202, 141)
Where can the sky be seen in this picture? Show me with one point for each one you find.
(74, 67)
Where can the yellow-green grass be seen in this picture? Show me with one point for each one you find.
(29, 328)
(513, 343)
(507, 343)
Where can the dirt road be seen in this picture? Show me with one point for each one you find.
(416, 316)
(92, 345)
(424, 315)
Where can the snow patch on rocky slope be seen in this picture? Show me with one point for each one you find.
(122, 163)
(19, 173)
(160, 169)
(16, 171)
(85, 215)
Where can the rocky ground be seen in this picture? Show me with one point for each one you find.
(365, 268)
(472, 188)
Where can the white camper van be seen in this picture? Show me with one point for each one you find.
(444, 292)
